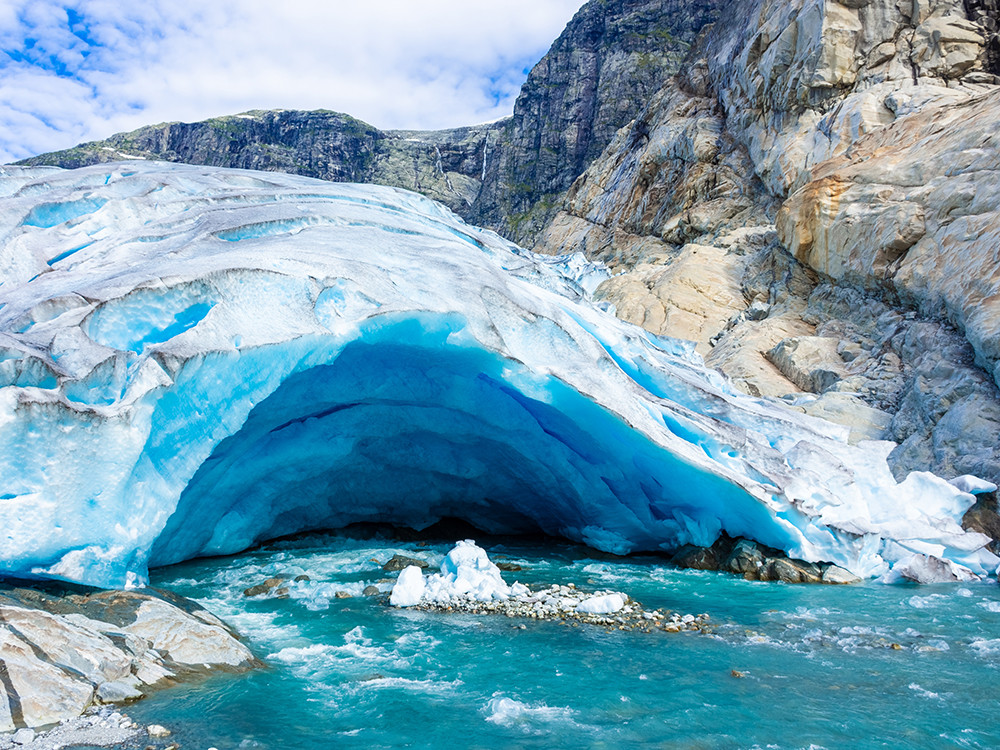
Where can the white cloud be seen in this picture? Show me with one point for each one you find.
(84, 69)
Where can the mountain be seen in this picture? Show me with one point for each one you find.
(814, 201)
(509, 175)
(444, 165)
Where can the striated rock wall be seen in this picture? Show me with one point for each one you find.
(800, 81)
(813, 201)
(612, 57)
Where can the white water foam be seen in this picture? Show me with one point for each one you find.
(509, 712)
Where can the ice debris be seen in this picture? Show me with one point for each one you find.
(194, 360)
(470, 582)
(409, 588)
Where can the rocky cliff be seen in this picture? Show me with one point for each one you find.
(445, 165)
(814, 202)
(597, 76)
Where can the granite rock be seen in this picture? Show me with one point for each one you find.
(64, 651)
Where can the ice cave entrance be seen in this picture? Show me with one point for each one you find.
(404, 429)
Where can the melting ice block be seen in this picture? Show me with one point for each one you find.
(602, 605)
(409, 588)
(194, 360)
(466, 573)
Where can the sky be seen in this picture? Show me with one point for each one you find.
(83, 70)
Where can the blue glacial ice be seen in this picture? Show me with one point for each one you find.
(193, 360)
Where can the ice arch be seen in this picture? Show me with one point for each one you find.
(404, 427)
(195, 359)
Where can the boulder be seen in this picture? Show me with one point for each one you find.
(789, 571)
(65, 651)
(746, 559)
(266, 587)
(813, 363)
(401, 562)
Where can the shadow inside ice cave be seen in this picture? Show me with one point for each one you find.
(404, 428)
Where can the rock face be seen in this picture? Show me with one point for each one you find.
(597, 76)
(509, 175)
(446, 165)
(61, 653)
(813, 201)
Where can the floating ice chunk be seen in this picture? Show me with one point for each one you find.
(602, 605)
(467, 573)
(409, 588)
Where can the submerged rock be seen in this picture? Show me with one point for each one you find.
(399, 562)
(64, 653)
(266, 587)
(756, 562)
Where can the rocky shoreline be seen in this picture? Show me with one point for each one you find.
(101, 726)
(758, 562)
(64, 650)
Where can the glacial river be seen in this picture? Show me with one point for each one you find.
(864, 666)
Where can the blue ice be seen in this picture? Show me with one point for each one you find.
(165, 400)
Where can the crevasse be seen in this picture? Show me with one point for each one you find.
(226, 357)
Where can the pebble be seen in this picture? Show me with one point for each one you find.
(97, 727)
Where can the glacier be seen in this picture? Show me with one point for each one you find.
(194, 360)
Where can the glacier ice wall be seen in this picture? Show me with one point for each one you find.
(193, 360)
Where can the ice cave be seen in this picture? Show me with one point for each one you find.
(194, 360)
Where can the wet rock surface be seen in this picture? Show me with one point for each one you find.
(398, 562)
(756, 562)
(63, 651)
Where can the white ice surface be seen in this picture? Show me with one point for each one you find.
(602, 605)
(409, 588)
(973, 485)
(466, 573)
(193, 360)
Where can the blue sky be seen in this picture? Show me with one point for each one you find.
(76, 71)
